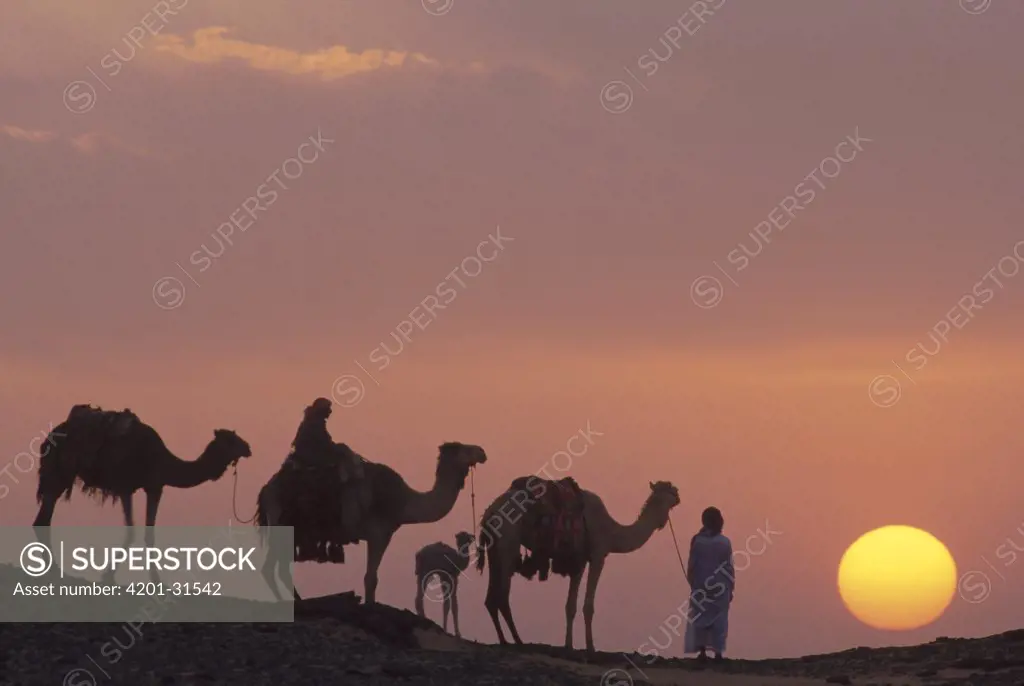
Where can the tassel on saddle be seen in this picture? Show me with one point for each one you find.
(560, 543)
(325, 500)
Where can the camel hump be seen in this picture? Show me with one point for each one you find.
(79, 412)
(521, 483)
(563, 489)
(559, 530)
(122, 422)
(570, 483)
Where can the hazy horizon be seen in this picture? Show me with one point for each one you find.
(623, 178)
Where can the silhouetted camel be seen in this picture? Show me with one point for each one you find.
(390, 504)
(113, 454)
(500, 545)
(446, 564)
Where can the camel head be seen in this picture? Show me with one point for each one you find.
(229, 446)
(463, 542)
(462, 455)
(664, 496)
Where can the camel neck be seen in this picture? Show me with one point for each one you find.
(191, 473)
(630, 537)
(433, 505)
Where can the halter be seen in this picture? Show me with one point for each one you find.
(472, 498)
(678, 554)
(234, 498)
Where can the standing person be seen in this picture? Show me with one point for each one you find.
(712, 579)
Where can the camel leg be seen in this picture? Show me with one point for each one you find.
(271, 564)
(507, 572)
(593, 576)
(377, 542)
(284, 570)
(46, 507)
(421, 582)
(152, 505)
(455, 607)
(446, 604)
(129, 520)
(276, 563)
(268, 571)
(570, 606)
(43, 519)
(494, 585)
(506, 609)
(491, 604)
(129, 523)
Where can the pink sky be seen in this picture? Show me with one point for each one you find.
(445, 127)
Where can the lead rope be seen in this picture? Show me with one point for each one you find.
(472, 498)
(234, 500)
(678, 554)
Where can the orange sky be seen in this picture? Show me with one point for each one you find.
(444, 128)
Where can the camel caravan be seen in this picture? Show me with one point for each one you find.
(333, 497)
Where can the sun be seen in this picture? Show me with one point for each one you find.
(897, 578)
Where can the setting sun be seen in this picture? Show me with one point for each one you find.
(897, 578)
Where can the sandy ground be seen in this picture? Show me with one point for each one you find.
(624, 674)
(431, 640)
(335, 639)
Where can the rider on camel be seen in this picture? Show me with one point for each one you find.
(314, 447)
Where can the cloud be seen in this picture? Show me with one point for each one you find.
(30, 135)
(86, 143)
(89, 143)
(210, 46)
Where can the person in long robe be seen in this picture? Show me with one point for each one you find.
(313, 443)
(314, 448)
(712, 579)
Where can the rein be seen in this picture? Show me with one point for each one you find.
(472, 498)
(678, 554)
(234, 498)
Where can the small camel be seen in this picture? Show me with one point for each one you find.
(501, 551)
(392, 504)
(114, 454)
(446, 564)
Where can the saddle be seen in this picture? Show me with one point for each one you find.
(559, 527)
(325, 499)
(106, 423)
(95, 445)
(346, 463)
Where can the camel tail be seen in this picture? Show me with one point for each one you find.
(481, 552)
